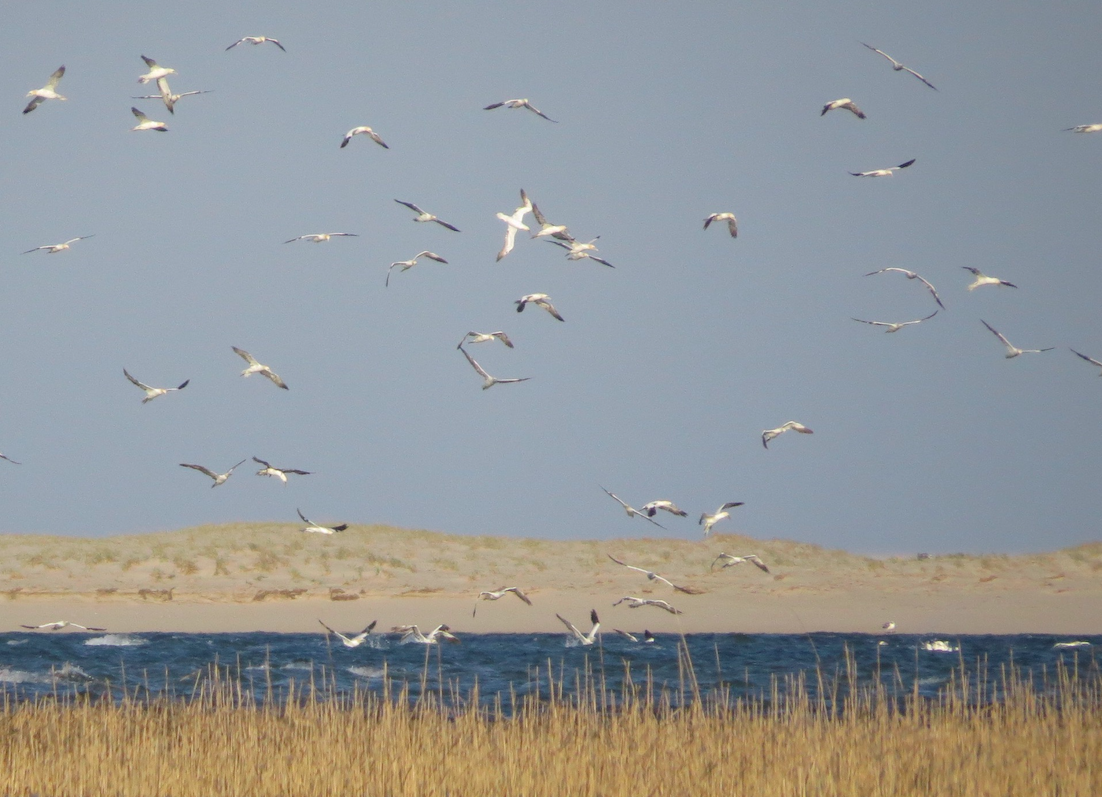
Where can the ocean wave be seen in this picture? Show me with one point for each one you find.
(117, 640)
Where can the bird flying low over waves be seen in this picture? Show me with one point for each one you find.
(635, 603)
(57, 625)
(411, 633)
(845, 103)
(884, 172)
(254, 40)
(911, 276)
(1013, 351)
(258, 368)
(513, 223)
(145, 123)
(521, 103)
(322, 237)
(583, 639)
(498, 594)
(155, 71)
(487, 380)
(52, 249)
(219, 478)
(540, 300)
(898, 67)
(732, 222)
(485, 337)
(355, 131)
(314, 528)
(894, 326)
(353, 641)
(729, 560)
(1091, 360)
(279, 473)
(424, 215)
(1077, 129)
(153, 392)
(47, 92)
(982, 279)
(632, 511)
(769, 434)
(652, 576)
(648, 637)
(707, 521)
(408, 264)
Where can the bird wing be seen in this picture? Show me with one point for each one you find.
(245, 356)
(431, 256)
(490, 108)
(34, 103)
(304, 518)
(410, 205)
(141, 116)
(905, 165)
(12, 461)
(443, 223)
(377, 139)
(721, 556)
(536, 110)
(618, 500)
(998, 334)
(1088, 359)
(709, 220)
(510, 240)
(630, 637)
(150, 62)
(228, 48)
(474, 364)
(630, 567)
(142, 385)
(503, 338)
(292, 470)
(874, 323)
(974, 270)
(539, 215)
(731, 505)
(732, 227)
(546, 305)
(931, 289)
(924, 80)
(602, 262)
(277, 44)
(55, 77)
(201, 469)
(268, 372)
(569, 625)
(894, 62)
(520, 595)
(756, 562)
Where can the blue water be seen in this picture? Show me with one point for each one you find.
(40, 663)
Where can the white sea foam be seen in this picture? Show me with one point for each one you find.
(117, 640)
(367, 672)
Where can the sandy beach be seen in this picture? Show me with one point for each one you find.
(270, 577)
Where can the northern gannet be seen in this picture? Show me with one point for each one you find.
(408, 264)
(353, 641)
(424, 215)
(314, 528)
(322, 237)
(769, 434)
(540, 300)
(652, 576)
(884, 172)
(521, 103)
(279, 473)
(145, 123)
(47, 92)
(635, 603)
(487, 380)
(1077, 129)
(257, 40)
(648, 637)
(155, 71)
(52, 249)
(411, 633)
(729, 560)
(982, 279)
(219, 478)
(355, 131)
(57, 625)
(583, 639)
(898, 67)
(632, 511)
(888, 627)
(497, 594)
(559, 231)
(257, 368)
(153, 392)
(911, 276)
(167, 97)
(895, 326)
(732, 222)
(1013, 351)
(1091, 360)
(577, 250)
(707, 521)
(845, 103)
(652, 507)
(513, 223)
(485, 337)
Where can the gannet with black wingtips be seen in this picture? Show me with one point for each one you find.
(254, 40)
(898, 67)
(707, 521)
(632, 511)
(258, 368)
(652, 576)
(732, 222)
(520, 103)
(314, 528)
(1013, 351)
(219, 478)
(497, 594)
(513, 223)
(53, 249)
(846, 104)
(982, 279)
(406, 265)
(155, 71)
(730, 560)
(424, 215)
(895, 326)
(485, 337)
(363, 130)
(540, 300)
(635, 603)
(487, 380)
(884, 172)
(353, 641)
(911, 275)
(279, 473)
(47, 92)
(578, 636)
(153, 392)
(794, 426)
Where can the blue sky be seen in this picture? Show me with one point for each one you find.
(667, 368)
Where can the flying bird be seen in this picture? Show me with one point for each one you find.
(911, 276)
(893, 326)
(635, 603)
(845, 103)
(729, 560)
(898, 67)
(982, 279)
(314, 528)
(498, 594)
(632, 511)
(487, 380)
(888, 626)
(732, 222)
(652, 576)
(1076, 129)
(559, 231)
(411, 633)
(153, 392)
(408, 264)
(279, 473)
(257, 368)
(652, 507)
(52, 249)
(424, 215)
(155, 71)
(707, 521)
(485, 337)
(219, 478)
(648, 637)
(1091, 360)
(353, 641)
(884, 172)
(769, 434)
(355, 131)
(47, 92)
(145, 123)
(1013, 351)
(9, 459)
(583, 639)
(540, 300)
(254, 40)
(167, 97)
(577, 250)
(521, 103)
(57, 625)
(515, 222)
(322, 237)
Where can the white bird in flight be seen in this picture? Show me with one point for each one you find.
(707, 521)
(408, 264)
(254, 40)
(559, 231)
(1013, 351)
(498, 594)
(279, 473)
(153, 392)
(167, 97)
(424, 215)
(52, 249)
(1077, 129)
(632, 511)
(895, 326)
(47, 92)
(521, 103)
(411, 633)
(583, 639)
(652, 507)
(355, 131)
(635, 603)
(729, 560)
(487, 380)
(322, 237)
(911, 276)
(485, 337)
(540, 300)
(652, 576)
(769, 434)
(1091, 360)
(578, 250)
(353, 641)
(145, 123)
(314, 528)
(845, 103)
(57, 625)
(732, 222)
(258, 368)
(898, 67)
(515, 222)
(155, 71)
(884, 172)
(219, 478)
(982, 279)
(648, 637)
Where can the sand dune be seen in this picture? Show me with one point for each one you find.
(242, 577)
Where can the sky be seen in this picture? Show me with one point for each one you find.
(667, 367)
